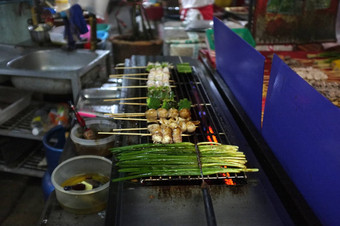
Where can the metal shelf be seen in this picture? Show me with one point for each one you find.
(30, 165)
(19, 127)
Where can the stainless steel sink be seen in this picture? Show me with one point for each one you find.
(8, 52)
(56, 71)
(53, 60)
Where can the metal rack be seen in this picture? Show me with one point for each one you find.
(30, 165)
(19, 127)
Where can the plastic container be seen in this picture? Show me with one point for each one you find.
(54, 142)
(47, 185)
(82, 202)
(246, 35)
(102, 35)
(98, 146)
(103, 27)
(57, 35)
(39, 122)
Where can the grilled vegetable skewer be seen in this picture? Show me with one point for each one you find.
(178, 159)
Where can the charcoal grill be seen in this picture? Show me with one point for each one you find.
(251, 200)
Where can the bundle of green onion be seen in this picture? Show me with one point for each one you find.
(179, 159)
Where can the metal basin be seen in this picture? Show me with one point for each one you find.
(56, 71)
(53, 60)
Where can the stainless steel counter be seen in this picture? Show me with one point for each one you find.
(54, 71)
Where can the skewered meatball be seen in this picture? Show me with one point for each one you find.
(152, 127)
(172, 113)
(162, 113)
(151, 115)
(172, 124)
(167, 135)
(166, 70)
(185, 113)
(191, 127)
(157, 135)
(177, 135)
(182, 125)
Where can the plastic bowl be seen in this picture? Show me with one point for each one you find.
(94, 147)
(82, 202)
(103, 27)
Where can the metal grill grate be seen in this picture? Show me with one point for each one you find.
(211, 128)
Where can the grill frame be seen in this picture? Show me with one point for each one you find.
(130, 202)
(188, 86)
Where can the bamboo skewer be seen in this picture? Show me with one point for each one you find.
(118, 133)
(132, 119)
(134, 67)
(128, 129)
(138, 104)
(132, 87)
(144, 104)
(130, 74)
(136, 134)
(127, 98)
(135, 78)
(127, 114)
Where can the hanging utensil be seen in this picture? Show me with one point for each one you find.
(209, 208)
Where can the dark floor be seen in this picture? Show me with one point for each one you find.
(22, 199)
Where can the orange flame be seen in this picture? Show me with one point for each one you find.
(226, 181)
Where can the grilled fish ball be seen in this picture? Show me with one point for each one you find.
(177, 135)
(183, 126)
(172, 113)
(185, 113)
(167, 135)
(191, 127)
(153, 127)
(157, 136)
(172, 124)
(151, 115)
(162, 113)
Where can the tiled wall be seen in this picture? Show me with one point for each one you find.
(13, 22)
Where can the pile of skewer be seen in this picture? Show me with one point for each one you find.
(167, 120)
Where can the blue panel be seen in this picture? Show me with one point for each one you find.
(303, 129)
(241, 67)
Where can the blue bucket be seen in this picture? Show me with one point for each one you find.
(54, 141)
